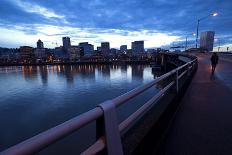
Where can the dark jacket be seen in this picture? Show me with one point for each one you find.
(214, 59)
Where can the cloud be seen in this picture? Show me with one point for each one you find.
(35, 8)
(51, 34)
(122, 18)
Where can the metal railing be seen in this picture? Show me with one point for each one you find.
(108, 131)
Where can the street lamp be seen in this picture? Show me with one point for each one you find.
(198, 22)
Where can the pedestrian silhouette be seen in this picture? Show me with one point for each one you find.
(214, 61)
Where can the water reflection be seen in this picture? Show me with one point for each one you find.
(36, 98)
(90, 72)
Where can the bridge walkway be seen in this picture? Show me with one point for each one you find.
(203, 122)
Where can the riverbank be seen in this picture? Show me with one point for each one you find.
(78, 63)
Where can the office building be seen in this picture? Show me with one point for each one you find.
(26, 52)
(40, 53)
(40, 44)
(74, 53)
(137, 46)
(66, 42)
(123, 48)
(88, 48)
(207, 40)
(105, 48)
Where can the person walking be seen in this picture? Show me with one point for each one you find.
(214, 61)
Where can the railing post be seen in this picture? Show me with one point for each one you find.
(108, 126)
(188, 69)
(177, 81)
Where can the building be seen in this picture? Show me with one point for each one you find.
(123, 48)
(207, 40)
(26, 53)
(40, 44)
(105, 48)
(66, 42)
(74, 53)
(137, 46)
(60, 54)
(113, 51)
(40, 53)
(88, 48)
(99, 49)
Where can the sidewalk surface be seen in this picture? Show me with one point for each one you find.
(203, 123)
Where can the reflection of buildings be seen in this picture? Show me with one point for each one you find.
(43, 70)
(29, 72)
(137, 72)
(85, 72)
(207, 40)
(106, 70)
(124, 68)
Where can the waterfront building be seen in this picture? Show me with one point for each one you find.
(105, 48)
(99, 49)
(113, 51)
(74, 53)
(26, 53)
(207, 40)
(123, 48)
(88, 48)
(151, 50)
(40, 44)
(137, 46)
(66, 42)
(40, 53)
(59, 53)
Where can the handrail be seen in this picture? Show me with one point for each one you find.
(44, 139)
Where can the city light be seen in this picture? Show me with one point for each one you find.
(214, 14)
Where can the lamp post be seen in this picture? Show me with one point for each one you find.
(198, 23)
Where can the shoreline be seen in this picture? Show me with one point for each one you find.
(79, 63)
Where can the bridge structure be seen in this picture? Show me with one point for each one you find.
(189, 115)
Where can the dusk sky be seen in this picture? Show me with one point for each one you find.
(157, 22)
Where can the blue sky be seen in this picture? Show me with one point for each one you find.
(158, 22)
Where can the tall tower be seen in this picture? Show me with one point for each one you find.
(207, 40)
(40, 44)
(137, 46)
(105, 48)
(66, 42)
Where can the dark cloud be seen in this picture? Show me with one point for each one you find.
(170, 16)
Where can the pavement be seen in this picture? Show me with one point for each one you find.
(203, 122)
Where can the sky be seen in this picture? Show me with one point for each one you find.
(157, 22)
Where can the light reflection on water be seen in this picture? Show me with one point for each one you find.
(35, 98)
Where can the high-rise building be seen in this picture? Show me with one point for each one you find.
(123, 48)
(105, 48)
(207, 40)
(137, 46)
(26, 52)
(88, 48)
(40, 44)
(66, 42)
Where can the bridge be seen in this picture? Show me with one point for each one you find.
(189, 115)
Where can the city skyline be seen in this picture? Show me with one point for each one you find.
(97, 21)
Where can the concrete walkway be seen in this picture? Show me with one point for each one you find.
(203, 123)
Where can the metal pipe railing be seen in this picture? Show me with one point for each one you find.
(44, 139)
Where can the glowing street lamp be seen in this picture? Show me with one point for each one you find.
(198, 22)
